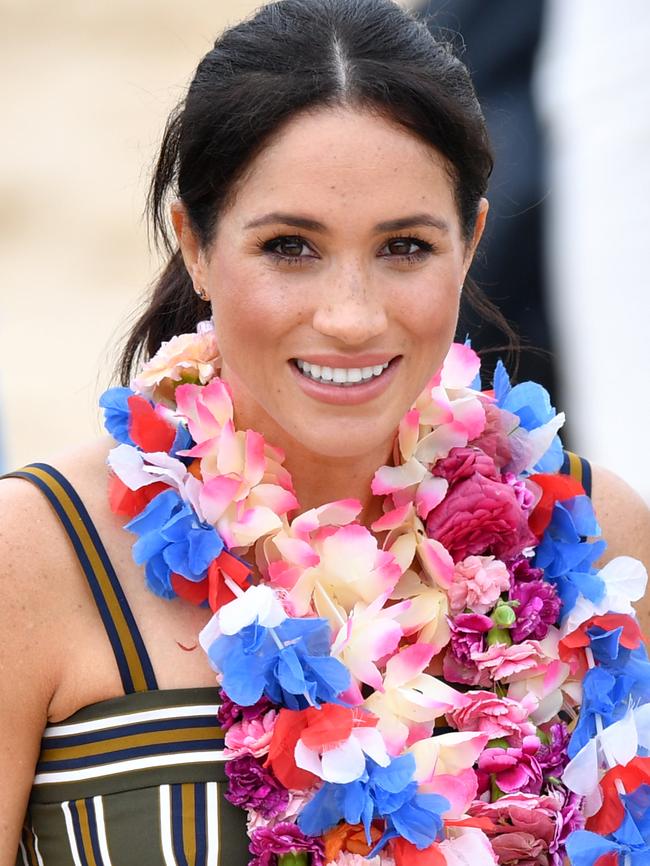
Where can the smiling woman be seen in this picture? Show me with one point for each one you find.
(384, 558)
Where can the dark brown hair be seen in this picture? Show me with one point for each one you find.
(291, 56)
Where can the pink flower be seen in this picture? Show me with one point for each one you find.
(504, 662)
(251, 736)
(185, 358)
(525, 496)
(480, 515)
(529, 830)
(467, 639)
(477, 584)
(515, 769)
(494, 716)
(493, 441)
(462, 463)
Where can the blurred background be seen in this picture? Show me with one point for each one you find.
(87, 87)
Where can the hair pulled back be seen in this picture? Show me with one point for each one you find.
(292, 56)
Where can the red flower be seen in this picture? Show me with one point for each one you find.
(479, 516)
(213, 588)
(127, 502)
(147, 428)
(555, 488)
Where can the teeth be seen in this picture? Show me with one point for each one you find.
(340, 375)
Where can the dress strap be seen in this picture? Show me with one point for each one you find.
(579, 468)
(131, 655)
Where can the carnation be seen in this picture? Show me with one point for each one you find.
(462, 463)
(477, 583)
(538, 608)
(254, 787)
(251, 737)
(494, 716)
(184, 358)
(230, 713)
(503, 662)
(268, 843)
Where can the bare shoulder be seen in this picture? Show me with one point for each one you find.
(623, 516)
(625, 523)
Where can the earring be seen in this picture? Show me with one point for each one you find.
(201, 293)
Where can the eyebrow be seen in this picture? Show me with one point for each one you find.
(418, 219)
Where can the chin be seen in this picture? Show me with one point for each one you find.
(347, 440)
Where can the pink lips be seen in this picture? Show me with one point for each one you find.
(350, 395)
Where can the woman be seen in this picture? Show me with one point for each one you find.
(328, 169)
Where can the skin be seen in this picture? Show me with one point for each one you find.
(349, 298)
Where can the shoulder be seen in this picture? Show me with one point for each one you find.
(38, 579)
(624, 519)
(623, 516)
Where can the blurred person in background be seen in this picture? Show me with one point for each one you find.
(498, 41)
(593, 93)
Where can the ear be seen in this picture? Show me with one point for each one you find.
(188, 243)
(479, 226)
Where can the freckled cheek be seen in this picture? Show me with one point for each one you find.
(252, 313)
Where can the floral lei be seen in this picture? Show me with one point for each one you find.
(472, 690)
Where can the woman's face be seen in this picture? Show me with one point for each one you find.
(334, 277)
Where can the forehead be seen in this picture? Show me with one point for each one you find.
(348, 163)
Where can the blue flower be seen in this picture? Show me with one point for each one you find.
(290, 664)
(182, 442)
(114, 402)
(173, 539)
(632, 838)
(566, 556)
(389, 793)
(621, 680)
(531, 403)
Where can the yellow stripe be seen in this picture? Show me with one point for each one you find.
(125, 636)
(188, 804)
(575, 466)
(130, 741)
(86, 841)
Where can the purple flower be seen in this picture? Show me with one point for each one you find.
(229, 713)
(267, 843)
(569, 819)
(538, 608)
(468, 632)
(253, 787)
(552, 756)
(521, 571)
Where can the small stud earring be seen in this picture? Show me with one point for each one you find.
(201, 293)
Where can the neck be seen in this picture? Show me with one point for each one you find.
(318, 478)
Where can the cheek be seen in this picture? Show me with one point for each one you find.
(431, 321)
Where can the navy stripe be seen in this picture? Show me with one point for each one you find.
(66, 740)
(92, 826)
(200, 824)
(124, 754)
(145, 661)
(177, 825)
(586, 475)
(77, 833)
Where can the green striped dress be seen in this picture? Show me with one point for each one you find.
(136, 780)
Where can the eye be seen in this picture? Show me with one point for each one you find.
(409, 249)
(288, 248)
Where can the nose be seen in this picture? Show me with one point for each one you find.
(350, 309)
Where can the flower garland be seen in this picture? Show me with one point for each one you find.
(472, 689)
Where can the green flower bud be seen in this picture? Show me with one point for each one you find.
(300, 858)
(503, 616)
(499, 635)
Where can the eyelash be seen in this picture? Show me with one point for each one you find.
(411, 258)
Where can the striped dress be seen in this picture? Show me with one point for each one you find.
(136, 780)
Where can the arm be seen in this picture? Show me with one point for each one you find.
(28, 668)
(625, 522)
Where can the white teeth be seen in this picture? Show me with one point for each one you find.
(340, 375)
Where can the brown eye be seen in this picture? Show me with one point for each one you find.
(401, 247)
(291, 247)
